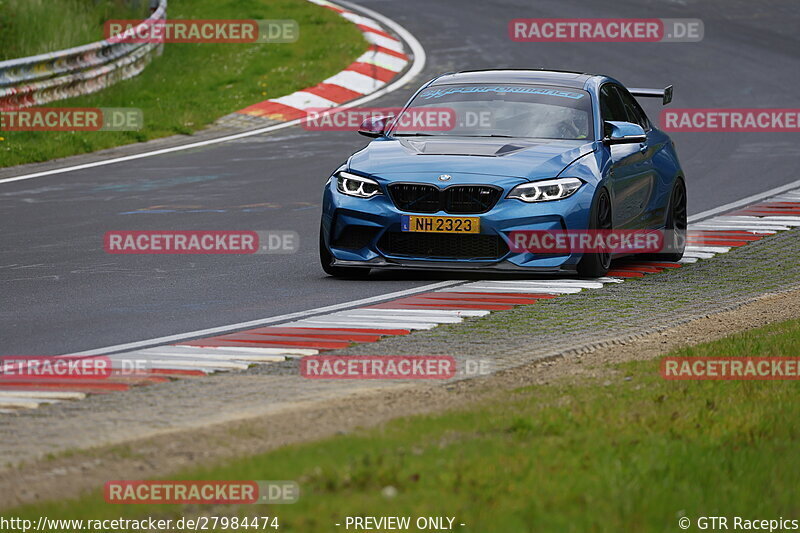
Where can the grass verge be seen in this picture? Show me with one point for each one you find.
(630, 452)
(191, 85)
(32, 27)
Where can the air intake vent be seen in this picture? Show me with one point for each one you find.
(443, 245)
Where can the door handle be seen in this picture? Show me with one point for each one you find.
(643, 147)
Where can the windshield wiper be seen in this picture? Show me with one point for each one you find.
(415, 134)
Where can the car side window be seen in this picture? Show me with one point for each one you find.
(633, 109)
(611, 107)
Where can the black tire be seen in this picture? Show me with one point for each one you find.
(595, 265)
(675, 230)
(326, 260)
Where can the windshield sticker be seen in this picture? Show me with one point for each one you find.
(438, 93)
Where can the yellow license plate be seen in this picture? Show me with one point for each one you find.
(441, 224)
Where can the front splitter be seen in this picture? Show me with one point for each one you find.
(501, 266)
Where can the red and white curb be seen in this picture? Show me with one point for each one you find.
(444, 303)
(384, 60)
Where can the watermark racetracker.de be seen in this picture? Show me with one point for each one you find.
(378, 367)
(392, 367)
(43, 368)
(605, 30)
(97, 371)
(201, 492)
(731, 368)
(730, 120)
(425, 119)
(588, 241)
(201, 242)
(179, 31)
(72, 119)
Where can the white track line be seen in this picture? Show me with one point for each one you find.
(417, 65)
(364, 21)
(383, 60)
(6, 401)
(559, 283)
(25, 403)
(56, 395)
(185, 363)
(384, 318)
(386, 42)
(428, 312)
(709, 226)
(408, 323)
(362, 325)
(201, 352)
(709, 249)
(761, 221)
(239, 356)
(354, 81)
(304, 100)
(168, 362)
(130, 366)
(756, 222)
(512, 290)
(269, 351)
(698, 255)
(177, 367)
(511, 286)
(744, 201)
(264, 321)
(346, 315)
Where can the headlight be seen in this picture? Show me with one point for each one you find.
(353, 185)
(546, 190)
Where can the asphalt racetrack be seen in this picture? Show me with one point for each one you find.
(62, 293)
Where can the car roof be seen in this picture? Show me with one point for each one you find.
(561, 78)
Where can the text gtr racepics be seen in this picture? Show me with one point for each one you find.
(526, 150)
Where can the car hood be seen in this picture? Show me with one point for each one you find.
(527, 159)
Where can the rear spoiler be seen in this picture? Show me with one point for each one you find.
(665, 94)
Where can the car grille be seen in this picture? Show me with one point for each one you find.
(458, 199)
(443, 245)
(470, 199)
(415, 198)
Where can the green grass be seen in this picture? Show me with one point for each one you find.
(632, 455)
(31, 27)
(192, 85)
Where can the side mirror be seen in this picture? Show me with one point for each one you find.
(623, 133)
(374, 126)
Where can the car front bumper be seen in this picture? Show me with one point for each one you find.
(360, 233)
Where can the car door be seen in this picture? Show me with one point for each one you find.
(653, 204)
(631, 169)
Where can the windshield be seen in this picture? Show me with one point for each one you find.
(507, 110)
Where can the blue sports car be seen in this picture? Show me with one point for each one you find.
(526, 150)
